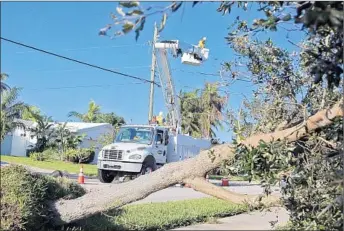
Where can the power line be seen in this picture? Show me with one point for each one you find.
(196, 72)
(77, 61)
(89, 48)
(66, 70)
(80, 86)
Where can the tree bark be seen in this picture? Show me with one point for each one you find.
(201, 185)
(191, 171)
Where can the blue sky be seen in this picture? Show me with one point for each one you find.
(71, 29)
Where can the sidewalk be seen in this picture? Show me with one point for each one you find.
(250, 221)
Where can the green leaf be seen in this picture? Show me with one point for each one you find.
(287, 17)
(176, 6)
(135, 12)
(163, 22)
(140, 28)
(127, 27)
(268, 13)
(129, 4)
(120, 11)
(195, 3)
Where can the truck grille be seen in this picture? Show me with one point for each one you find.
(113, 154)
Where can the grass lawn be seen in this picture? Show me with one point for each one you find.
(163, 216)
(89, 170)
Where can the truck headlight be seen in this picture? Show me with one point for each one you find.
(135, 157)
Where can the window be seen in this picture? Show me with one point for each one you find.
(135, 135)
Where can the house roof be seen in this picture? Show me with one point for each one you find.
(72, 126)
(76, 126)
(27, 123)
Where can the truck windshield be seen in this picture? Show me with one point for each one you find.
(140, 135)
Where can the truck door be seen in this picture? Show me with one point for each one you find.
(160, 148)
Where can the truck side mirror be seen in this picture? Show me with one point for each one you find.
(166, 139)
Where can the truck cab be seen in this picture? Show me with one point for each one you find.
(136, 150)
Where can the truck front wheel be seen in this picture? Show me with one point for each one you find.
(105, 176)
(147, 168)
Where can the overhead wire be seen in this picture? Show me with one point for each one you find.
(89, 48)
(82, 86)
(66, 70)
(80, 62)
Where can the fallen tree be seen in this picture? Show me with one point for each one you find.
(191, 171)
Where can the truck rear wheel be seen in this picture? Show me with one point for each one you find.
(105, 176)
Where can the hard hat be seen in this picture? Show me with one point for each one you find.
(204, 38)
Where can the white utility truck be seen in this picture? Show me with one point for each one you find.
(141, 149)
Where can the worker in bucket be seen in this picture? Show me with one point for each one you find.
(160, 118)
(201, 43)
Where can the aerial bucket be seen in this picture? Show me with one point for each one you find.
(195, 56)
(188, 58)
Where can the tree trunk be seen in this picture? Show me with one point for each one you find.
(191, 171)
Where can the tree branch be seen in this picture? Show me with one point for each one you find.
(201, 185)
(191, 171)
(320, 119)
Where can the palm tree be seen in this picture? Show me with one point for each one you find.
(90, 116)
(111, 118)
(30, 113)
(190, 109)
(74, 140)
(213, 105)
(62, 135)
(3, 86)
(43, 131)
(10, 110)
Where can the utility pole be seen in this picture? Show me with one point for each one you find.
(151, 93)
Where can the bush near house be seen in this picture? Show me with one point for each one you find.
(83, 155)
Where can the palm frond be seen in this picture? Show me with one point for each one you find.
(9, 97)
(76, 115)
(4, 86)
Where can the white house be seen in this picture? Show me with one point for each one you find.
(17, 142)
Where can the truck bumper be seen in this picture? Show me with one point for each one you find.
(119, 166)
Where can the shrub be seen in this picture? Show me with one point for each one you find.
(48, 154)
(37, 156)
(83, 155)
(25, 197)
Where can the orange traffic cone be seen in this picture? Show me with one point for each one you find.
(81, 178)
